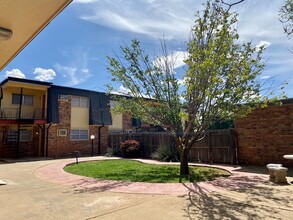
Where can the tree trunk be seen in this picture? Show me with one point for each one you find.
(184, 170)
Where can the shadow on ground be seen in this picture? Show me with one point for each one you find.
(243, 199)
(88, 185)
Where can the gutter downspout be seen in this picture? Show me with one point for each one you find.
(103, 125)
(99, 140)
(47, 139)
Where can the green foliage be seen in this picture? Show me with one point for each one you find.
(148, 83)
(221, 80)
(127, 170)
(166, 153)
(130, 148)
(113, 152)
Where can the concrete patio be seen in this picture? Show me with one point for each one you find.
(42, 190)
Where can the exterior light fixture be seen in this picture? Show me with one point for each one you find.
(5, 34)
(92, 138)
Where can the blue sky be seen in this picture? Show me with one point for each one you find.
(72, 49)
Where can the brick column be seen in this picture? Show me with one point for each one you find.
(126, 121)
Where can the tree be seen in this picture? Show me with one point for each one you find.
(220, 80)
(286, 17)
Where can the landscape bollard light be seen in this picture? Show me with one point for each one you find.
(76, 154)
(92, 138)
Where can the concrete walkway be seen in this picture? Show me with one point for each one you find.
(55, 173)
(42, 190)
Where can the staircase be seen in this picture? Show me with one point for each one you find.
(9, 143)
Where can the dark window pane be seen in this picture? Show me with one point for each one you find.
(15, 98)
(28, 100)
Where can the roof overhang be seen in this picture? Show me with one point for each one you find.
(25, 83)
(25, 19)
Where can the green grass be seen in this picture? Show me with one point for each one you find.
(134, 171)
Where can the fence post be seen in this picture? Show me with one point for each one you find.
(210, 155)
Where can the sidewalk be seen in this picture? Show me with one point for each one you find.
(42, 190)
(55, 173)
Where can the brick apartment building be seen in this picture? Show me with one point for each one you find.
(39, 119)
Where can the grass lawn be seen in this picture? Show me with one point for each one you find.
(134, 171)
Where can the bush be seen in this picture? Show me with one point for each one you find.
(113, 152)
(130, 148)
(166, 153)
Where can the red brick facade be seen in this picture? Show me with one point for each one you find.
(265, 135)
(126, 122)
(26, 148)
(62, 146)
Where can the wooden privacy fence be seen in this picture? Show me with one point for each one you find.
(218, 146)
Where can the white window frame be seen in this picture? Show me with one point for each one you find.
(24, 98)
(79, 136)
(80, 101)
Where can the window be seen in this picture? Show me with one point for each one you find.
(25, 135)
(26, 99)
(83, 102)
(79, 134)
(63, 97)
(15, 98)
(78, 101)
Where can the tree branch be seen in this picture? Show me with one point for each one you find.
(231, 4)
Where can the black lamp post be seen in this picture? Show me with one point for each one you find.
(92, 138)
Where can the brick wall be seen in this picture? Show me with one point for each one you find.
(265, 135)
(60, 146)
(26, 148)
(127, 122)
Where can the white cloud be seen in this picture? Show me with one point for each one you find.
(126, 92)
(86, 71)
(69, 72)
(183, 81)
(265, 77)
(14, 73)
(121, 91)
(263, 43)
(77, 71)
(74, 74)
(175, 59)
(154, 18)
(257, 22)
(44, 74)
(180, 56)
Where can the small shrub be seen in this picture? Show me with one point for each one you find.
(166, 153)
(130, 148)
(113, 152)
